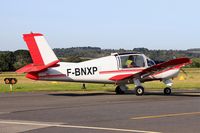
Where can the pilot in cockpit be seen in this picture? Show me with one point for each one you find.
(130, 62)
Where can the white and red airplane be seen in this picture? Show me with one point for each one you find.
(110, 69)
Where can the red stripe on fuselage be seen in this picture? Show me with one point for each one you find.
(120, 71)
(52, 76)
(33, 48)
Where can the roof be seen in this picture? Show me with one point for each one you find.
(115, 54)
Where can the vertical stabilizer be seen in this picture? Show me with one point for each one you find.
(42, 55)
(39, 49)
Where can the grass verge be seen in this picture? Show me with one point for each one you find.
(191, 81)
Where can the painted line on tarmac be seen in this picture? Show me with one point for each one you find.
(4, 113)
(165, 115)
(34, 123)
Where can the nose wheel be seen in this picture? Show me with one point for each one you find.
(167, 91)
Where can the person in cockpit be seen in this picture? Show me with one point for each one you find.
(130, 62)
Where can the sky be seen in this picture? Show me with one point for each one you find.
(109, 24)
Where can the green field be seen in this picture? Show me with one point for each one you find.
(191, 81)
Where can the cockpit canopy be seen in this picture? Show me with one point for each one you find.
(133, 60)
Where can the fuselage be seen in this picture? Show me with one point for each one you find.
(102, 69)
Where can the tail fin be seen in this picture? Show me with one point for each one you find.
(39, 49)
(41, 54)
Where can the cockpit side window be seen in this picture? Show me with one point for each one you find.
(139, 61)
(130, 61)
(123, 61)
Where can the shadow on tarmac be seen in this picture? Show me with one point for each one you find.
(81, 94)
(178, 94)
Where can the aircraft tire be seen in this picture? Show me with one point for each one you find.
(139, 90)
(118, 90)
(167, 91)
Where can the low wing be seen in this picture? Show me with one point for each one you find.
(179, 62)
(121, 77)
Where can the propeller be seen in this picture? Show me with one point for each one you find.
(186, 75)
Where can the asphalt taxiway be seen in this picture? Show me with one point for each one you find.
(99, 112)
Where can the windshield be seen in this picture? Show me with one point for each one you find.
(150, 62)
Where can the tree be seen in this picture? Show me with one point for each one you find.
(22, 58)
(6, 61)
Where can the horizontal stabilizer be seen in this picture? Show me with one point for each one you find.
(36, 68)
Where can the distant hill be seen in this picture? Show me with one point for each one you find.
(95, 52)
(10, 61)
(194, 50)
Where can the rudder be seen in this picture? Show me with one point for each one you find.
(40, 51)
(42, 55)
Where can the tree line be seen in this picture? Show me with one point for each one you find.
(13, 60)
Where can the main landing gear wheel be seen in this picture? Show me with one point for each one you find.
(119, 91)
(167, 91)
(139, 90)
